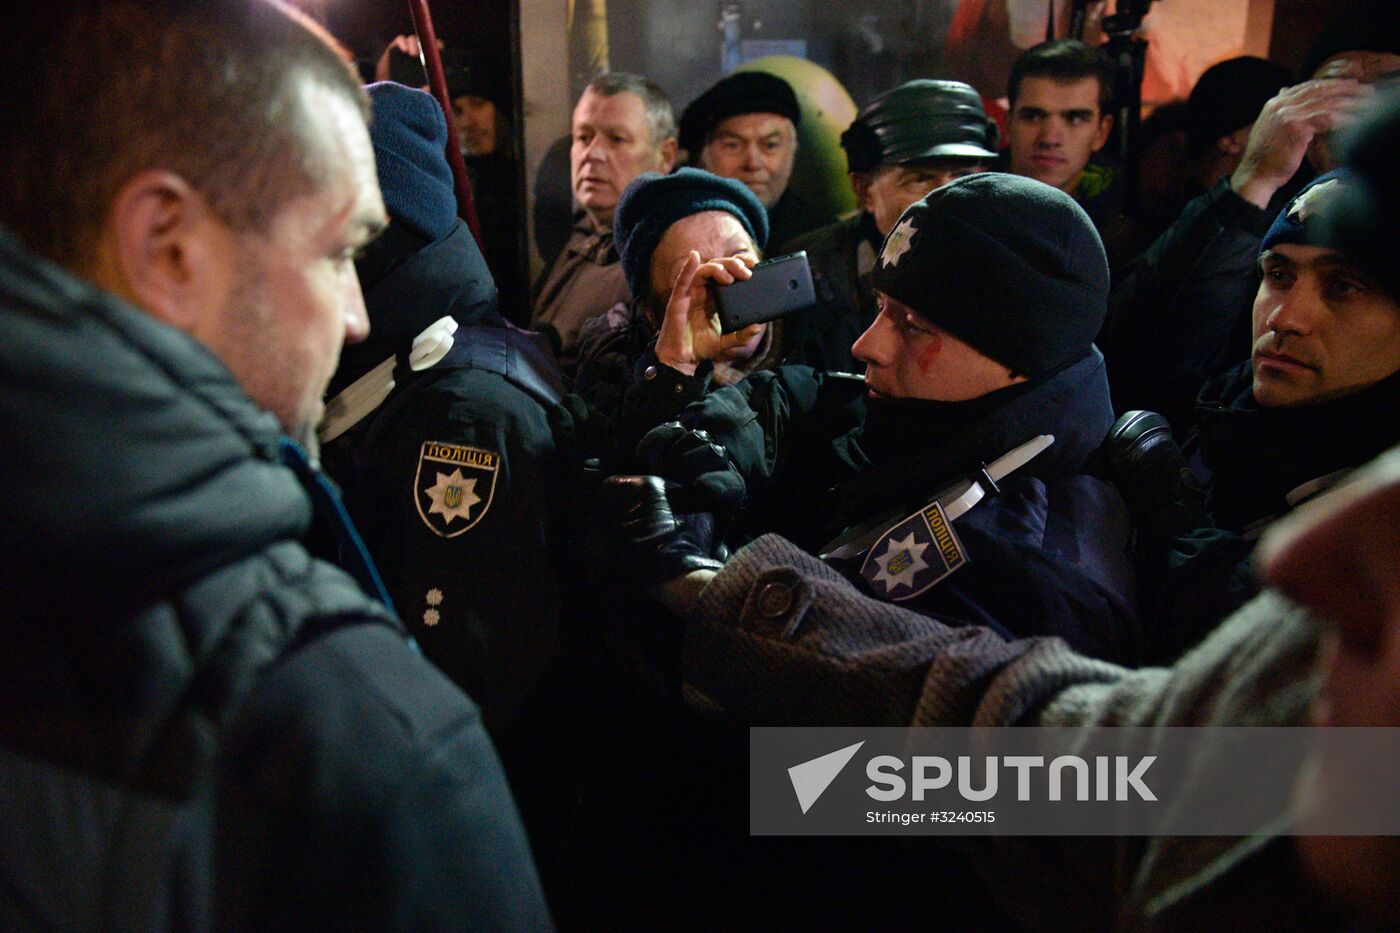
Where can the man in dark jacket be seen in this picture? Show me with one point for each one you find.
(204, 726)
(906, 143)
(991, 290)
(1316, 400)
(774, 637)
(745, 127)
(1180, 313)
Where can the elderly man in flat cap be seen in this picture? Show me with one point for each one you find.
(745, 128)
(907, 142)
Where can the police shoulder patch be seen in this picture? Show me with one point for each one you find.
(454, 486)
(913, 555)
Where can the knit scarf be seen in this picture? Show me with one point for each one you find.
(1258, 455)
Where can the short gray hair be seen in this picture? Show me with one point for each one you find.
(661, 119)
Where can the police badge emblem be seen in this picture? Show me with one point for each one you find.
(900, 241)
(913, 555)
(454, 486)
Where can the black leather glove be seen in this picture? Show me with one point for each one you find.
(706, 480)
(641, 541)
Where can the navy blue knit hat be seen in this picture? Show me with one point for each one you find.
(409, 135)
(653, 202)
(1006, 264)
(1298, 222)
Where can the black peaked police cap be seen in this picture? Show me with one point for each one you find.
(1009, 265)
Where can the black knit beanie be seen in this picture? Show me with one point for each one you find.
(1009, 265)
(1229, 96)
(1361, 222)
(652, 202)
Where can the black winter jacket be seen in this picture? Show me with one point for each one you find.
(200, 724)
(1180, 313)
(478, 586)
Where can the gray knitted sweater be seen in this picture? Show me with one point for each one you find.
(778, 638)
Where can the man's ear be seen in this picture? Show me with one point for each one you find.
(160, 249)
(667, 156)
(860, 184)
(1105, 127)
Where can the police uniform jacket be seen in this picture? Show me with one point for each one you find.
(453, 480)
(1046, 555)
(200, 724)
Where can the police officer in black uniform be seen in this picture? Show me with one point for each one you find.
(907, 142)
(960, 488)
(441, 429)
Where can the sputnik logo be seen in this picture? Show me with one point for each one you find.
(811, 778)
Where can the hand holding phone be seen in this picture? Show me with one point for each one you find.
(690, 331)
(777, 287)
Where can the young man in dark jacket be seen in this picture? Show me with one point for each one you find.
(204, 726)
(1316, 400)
(1179, 315)
(991, 290)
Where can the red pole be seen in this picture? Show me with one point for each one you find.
(437, 83)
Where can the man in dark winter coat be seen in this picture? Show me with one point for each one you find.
(906, 143)
(440, 430)
(1316, 400)
(1179, 315)
(204, 726)
(745, 127)
(991, 290)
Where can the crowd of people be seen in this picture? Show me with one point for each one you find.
(336, 599)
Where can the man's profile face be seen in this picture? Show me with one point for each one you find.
(475, 118)
(755, 148)
(292, 298)
(888, 191)
(1054, 128)
(612, 145)
(1322, 328)
(907, 356)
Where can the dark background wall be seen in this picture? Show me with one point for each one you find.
(367, 26)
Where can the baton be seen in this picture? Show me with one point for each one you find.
(437, 84)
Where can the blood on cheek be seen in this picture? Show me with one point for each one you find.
(933, 347)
